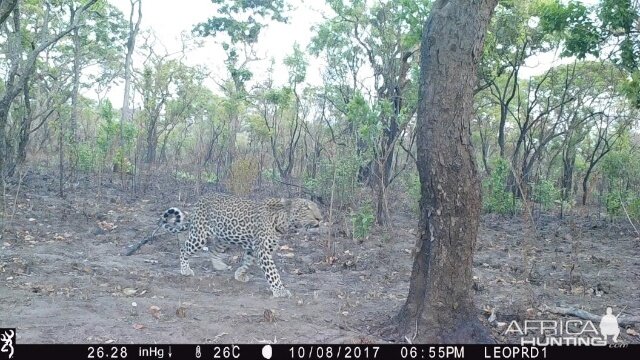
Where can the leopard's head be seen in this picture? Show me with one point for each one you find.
(304, 214)
(288, 214)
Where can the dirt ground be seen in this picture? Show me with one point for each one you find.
(64, 278)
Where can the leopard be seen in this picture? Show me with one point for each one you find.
(254, 225)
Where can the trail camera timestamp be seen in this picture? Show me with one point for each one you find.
(432, 352)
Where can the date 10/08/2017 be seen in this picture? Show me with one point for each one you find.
(295, 352)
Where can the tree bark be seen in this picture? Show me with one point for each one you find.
(6, 7)
(439, 307)
(131, 44)
(76, 84)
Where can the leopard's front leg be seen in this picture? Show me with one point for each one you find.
(195, 241)
(267, 265)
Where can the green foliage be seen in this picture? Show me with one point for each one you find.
(614, 202)
(297, 65)
(339, 174)
(364, 117)
(183, 175)
(109, 133)
(121, 163)
(241, 22)
(210, 177)
(87, 157)
(108, 138)
(496, 197)
(622, 164)
(271, 174)
(607, 28)
(545, 193)
(362, 221)
(633, 208)
(256, 13)
(617, 201)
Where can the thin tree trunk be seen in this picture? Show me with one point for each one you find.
(25, 132)
(131, 44)
(61, 155)
(76, 86)
(439, 307)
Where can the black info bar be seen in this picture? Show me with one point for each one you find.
(317, 351)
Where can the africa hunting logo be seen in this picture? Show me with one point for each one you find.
(7, 338)
(567, 332)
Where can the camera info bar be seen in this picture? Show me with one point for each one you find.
(308, 351)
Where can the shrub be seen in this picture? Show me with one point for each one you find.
(545, 193)
(362, 221)
(634, 208)
(344, 167)
(183, 175)
(86, 156)
(496, 197)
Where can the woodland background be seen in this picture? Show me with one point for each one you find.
(558, 145)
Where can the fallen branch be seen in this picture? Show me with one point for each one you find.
(137, 246)
(628, 217)
(623, 320)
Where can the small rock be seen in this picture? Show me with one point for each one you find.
(181, 312)
(155, 311)
(129, 291)
(98, 231)
(603, 287)
(269, 315)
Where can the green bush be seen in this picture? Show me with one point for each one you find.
(210, 177)
(345, 167)
(121, 163)
(271, 174)
(496, 197)
(545, 193)
(183, 175)
(362, 221)
(634, 208)
(86, 156)
(614, 203)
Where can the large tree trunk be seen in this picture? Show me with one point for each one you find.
(439, 305)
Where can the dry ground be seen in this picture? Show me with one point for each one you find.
(63, 276)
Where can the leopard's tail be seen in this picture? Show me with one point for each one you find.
(179, 223)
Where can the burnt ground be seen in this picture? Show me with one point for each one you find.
(64, 278)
